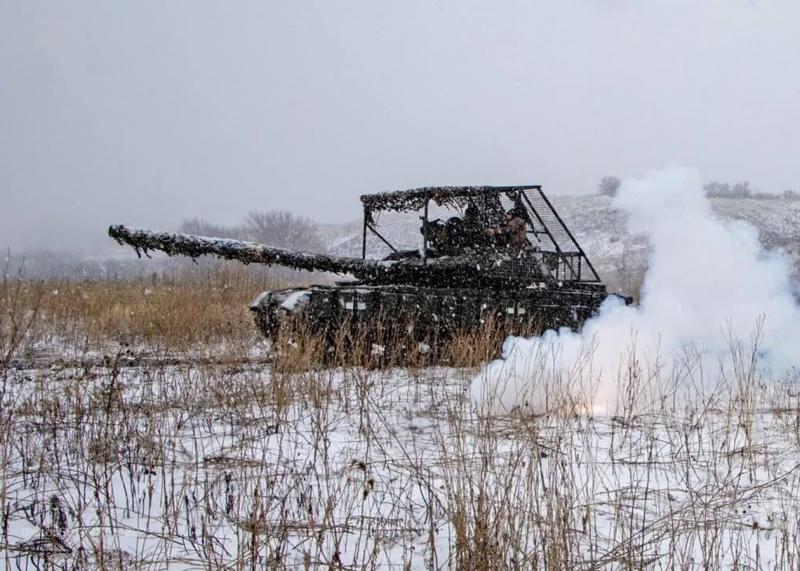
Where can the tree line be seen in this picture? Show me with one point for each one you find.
(275, 228)
(609, 186)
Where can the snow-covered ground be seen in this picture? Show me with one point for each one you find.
(203, 466)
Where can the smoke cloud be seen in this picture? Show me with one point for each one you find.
(709, 286)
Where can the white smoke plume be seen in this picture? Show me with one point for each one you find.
(708, 282)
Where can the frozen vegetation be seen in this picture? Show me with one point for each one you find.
(209, 466)
(120, 465)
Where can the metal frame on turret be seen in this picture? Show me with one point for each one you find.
(546, 230)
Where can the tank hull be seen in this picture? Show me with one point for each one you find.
(424, 315)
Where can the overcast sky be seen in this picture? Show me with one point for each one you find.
(148, 112)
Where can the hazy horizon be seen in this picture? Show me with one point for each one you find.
(146, 114)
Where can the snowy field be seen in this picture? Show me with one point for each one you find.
(142, 426)
(136, 467)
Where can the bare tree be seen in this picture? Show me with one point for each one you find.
(742, 190)
(609, 185)
(283, 229)
(716, 189)
(274, 228)
(202, 227)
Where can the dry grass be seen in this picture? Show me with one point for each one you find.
(202, 308)
(383, 343)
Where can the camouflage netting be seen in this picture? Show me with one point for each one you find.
(453, 196)
(175, 244)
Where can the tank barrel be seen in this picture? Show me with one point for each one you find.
(176, 244)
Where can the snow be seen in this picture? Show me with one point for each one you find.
(376, 469)
(295, 300)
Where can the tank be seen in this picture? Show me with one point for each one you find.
(503, 257)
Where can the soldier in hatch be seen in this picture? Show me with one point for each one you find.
(475, 230)
(515, 229)
(513, 234)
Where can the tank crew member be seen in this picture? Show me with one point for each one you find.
(455, 234)
(513, 233)
(475, 233)
(472, 215)
(436, 232)
(479, 233)
(515, 229)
